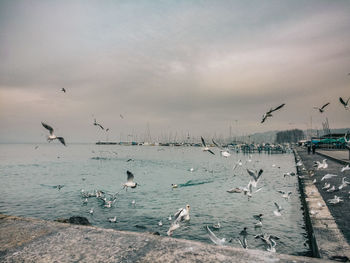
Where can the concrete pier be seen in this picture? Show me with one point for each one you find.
(327, 224)
(34, 240)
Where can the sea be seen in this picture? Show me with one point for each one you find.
(31, 173)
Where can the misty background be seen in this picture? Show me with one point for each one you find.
(198, 68)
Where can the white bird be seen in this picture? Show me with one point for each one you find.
(255, 175)
(52, 136)
(91, 211)
(130, 181)
(133, 202)
(332, 189)
(169, 218)
(345, 168)
(285, 195)
(327, 176)
(215, 239)
(322, 165)
(299, 163)
(321, 110)
(113, 219)
(258, 224)
(269, 241)
(160, 223)
(326, 185)
(343, 183)
(335, 200)
(278, 211)
(183, 214)
(85, 201)
(205, 148)
(223, 152)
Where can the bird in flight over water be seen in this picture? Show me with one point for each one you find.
(321, 110)
(97, 124)
(345, 104)
(269, 113)
(52, 136)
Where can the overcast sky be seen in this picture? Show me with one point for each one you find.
(181, 66)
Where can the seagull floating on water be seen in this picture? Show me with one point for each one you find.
(269, 113)
(205, 148)
(321, 110)
(278, 211)
(52, 136)
(160, 223)
(130, 181)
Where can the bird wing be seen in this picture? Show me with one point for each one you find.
(277, 108)
(100, 126)
(281, 192)
(130, 176)
(48, 127)
(278, 207)
(178, 213)
(61, 139)
(260, 173)
(217, 144)
(264, 118)
(214, 238)
(324, 106)
(252, 174)
(211, 152)
(203, 142)
(342, 101)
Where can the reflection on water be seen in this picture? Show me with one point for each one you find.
(30, 178)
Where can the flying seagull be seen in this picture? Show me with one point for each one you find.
(205, 148)
(215, 239)
(183, 214)
(345, 104)
(321, 110)
(97, 124)
(64, 90)
(224, 152)
(52, 136)
(130, 182)
(255, 175)
(269, 113)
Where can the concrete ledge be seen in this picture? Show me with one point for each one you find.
(34, 240)
(326, 240)
(329, 156)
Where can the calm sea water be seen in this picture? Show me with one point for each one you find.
(28, 175)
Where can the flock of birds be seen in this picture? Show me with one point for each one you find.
(182, 215)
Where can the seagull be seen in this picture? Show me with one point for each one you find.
(345, 104)
(258, 217)
(235, 190)
(332, 189)
(133, 202)
(215, 239)
(322, 165)
(244, 232)
(160, 223)
(91, 211)
(269, 240)
(343, 184)
(224, 152)
(255, 175)
(173, 186)
(113, 219)
(183, 214)
(321, 110)
(239, 163)
(169, 218)
(130, 182)
(326, 185)
(345, 168)
(269, 113)
(327, 176)
(278, 211)
(285, 195)
(64, 90)
(53, 136)
(216, 226)
(97, 124)
(205, 148)
(335, 200)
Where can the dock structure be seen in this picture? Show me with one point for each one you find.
(327, 224)
(35, 240)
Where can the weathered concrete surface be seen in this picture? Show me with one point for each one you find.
(34, 240)
(340, 156)
(326, 223)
